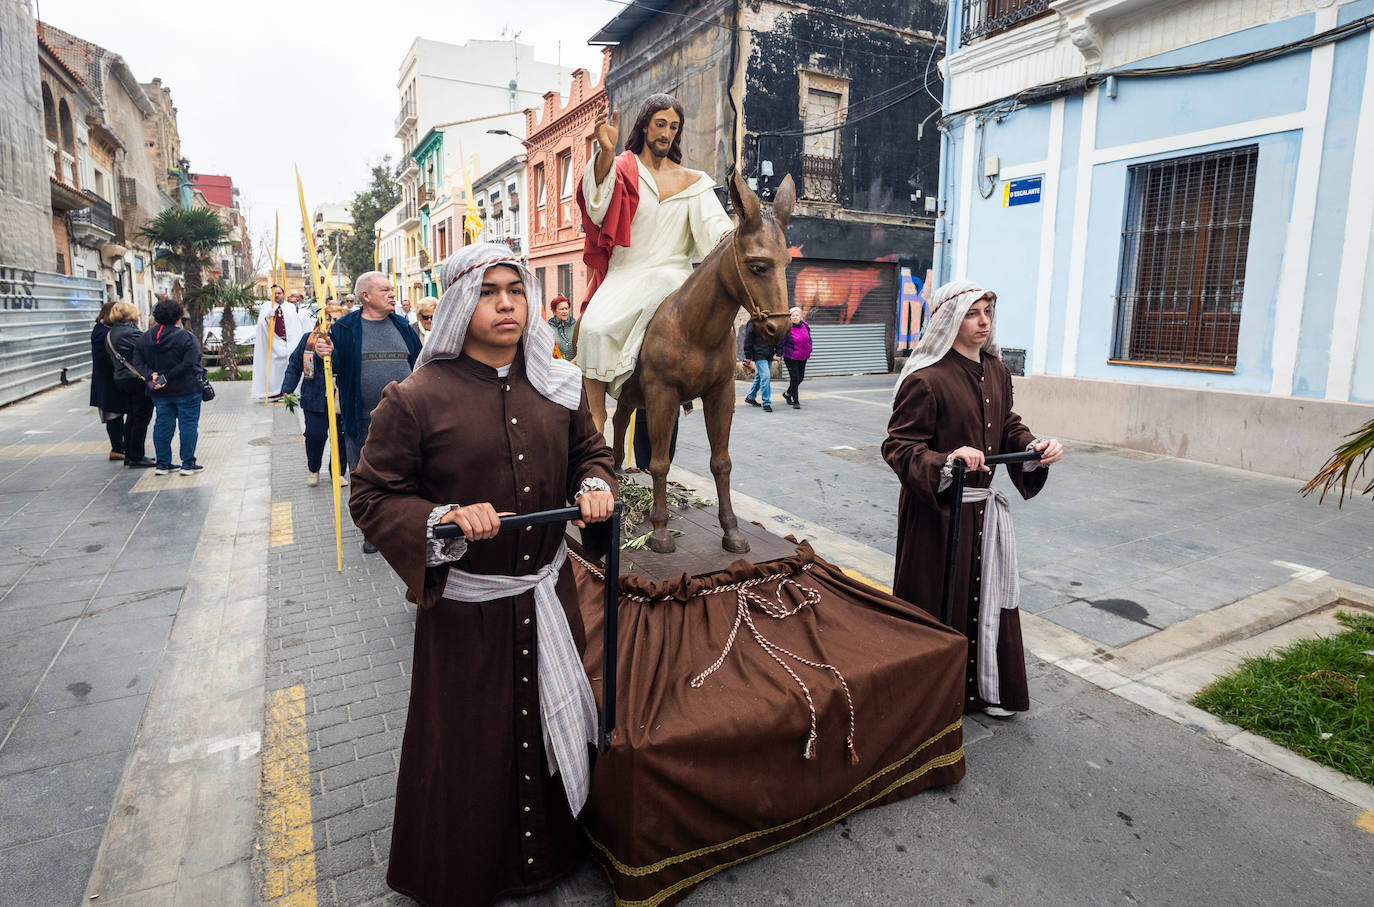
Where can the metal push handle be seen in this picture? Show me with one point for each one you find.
(612, 597)
(956, 506)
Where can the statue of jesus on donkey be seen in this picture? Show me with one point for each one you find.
(661, 332)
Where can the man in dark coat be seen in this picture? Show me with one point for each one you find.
(489, 423)
(954, 400)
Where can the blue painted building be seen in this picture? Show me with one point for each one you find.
(1174, 203)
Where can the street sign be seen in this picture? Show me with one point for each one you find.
(1021, 192)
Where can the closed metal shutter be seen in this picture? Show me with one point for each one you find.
(852, 309)
(847, 349)
(45, 329)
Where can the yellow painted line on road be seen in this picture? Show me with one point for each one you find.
(285, 843)
(60, 449)
(854, 574)
(280, 532)
(1366, 821)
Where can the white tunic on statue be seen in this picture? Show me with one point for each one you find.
(666, 236)
(267, 377)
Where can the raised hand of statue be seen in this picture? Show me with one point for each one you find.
(608, 133)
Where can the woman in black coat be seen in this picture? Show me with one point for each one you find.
(169, 357)
(105, 397)
(138, 408)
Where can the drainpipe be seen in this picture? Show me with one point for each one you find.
(944, 229)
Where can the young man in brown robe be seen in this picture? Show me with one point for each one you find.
(954, 400)
(489, 423)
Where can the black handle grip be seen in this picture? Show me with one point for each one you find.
(518, 521)
(1021, 456)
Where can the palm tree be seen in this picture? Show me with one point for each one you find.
(1352, 454)
(229, 296)
(190, 235)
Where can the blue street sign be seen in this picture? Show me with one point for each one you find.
(1021, 192)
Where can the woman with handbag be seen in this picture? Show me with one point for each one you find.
(169, 357)
(105, 397)
(138, 409)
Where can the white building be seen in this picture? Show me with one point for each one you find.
(328, 219)
(496, 194)
(391, 245)
(488, 83)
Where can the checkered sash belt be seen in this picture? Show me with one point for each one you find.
(567, 709)
(1000, 589)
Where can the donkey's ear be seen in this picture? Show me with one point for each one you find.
(746, 203)
(784, 200)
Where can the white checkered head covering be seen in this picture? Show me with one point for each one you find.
(461, 281)
(948, 307)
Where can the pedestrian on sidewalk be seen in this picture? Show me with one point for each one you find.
(105, 397)
(169, 355)
(796, 349)
(490, 422)
(305, 373)
(424, 318)
(279, 330)
(953, 400)
(371, 347)
(132, 388)
(564, 325)
(761, 355)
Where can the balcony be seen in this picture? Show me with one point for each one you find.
(406, 118)
(820, 178)
(423, 196)
(410, 217)
(93, 226)
(985, 18)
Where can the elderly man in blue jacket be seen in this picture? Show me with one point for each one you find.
(371, 346)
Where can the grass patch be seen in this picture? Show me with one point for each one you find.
(218, 375)
(1316, 697)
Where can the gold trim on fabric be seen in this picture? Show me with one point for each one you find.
(635, 871)
(661, 896)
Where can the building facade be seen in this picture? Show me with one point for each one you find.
(1175, 207)
(67, 105)
(562, 136)
(474, 87)
(331, 222)
(138, 179)
(232, 261)
(838, 94)
(27, 242)
(497, 194)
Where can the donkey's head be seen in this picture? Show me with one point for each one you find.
(761, 256)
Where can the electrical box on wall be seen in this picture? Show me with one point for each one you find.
(992, 166)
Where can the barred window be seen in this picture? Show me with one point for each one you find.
(1183, 254)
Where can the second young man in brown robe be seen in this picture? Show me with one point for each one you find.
(954, 399)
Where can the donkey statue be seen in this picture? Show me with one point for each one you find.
(689, 348)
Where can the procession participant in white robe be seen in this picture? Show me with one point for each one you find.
(677, 219)
(280, 319)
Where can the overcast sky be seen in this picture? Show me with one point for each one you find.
(261, 85)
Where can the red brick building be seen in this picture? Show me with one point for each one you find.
(560, 142)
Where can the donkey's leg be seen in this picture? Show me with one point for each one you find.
(661, 406)
(596, 401)
(719, 404)
(619, 423)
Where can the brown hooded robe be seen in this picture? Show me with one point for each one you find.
(477, 814)
(955, 403)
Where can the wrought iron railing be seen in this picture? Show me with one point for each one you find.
(984, 18)
(98, 215)
(820, 178)
(407, 112)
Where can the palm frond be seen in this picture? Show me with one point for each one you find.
(1350, 457)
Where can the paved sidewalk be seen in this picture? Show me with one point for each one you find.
(95, 573)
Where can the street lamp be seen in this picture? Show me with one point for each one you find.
(507, 132)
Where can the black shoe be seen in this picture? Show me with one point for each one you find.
(768, 408)
(786, 396)
(140, 463)
(368, 547)
(751, 401)
(796, 405)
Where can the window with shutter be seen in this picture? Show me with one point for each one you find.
(128, 192)
(1183, 255)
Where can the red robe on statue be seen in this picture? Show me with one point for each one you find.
(598, 241)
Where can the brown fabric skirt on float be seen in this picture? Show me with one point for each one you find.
(756, 705)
